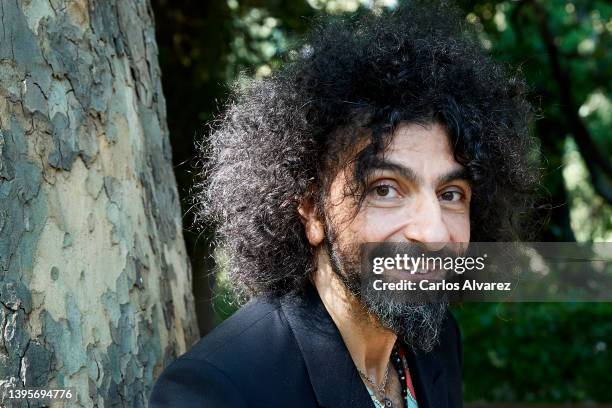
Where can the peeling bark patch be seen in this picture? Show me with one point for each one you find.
(37, 362)
(129, 374)
(65, 146)
(67, 240)
(17, 194)
(54, 273)
(66, 338)
(16, 349)
(16, 36)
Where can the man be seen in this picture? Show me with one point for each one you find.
(389, 128)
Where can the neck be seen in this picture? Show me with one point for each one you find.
(368, 343)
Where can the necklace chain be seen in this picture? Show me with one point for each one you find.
(395, 358)
(380, 388)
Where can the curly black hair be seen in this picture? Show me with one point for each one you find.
(281, 138)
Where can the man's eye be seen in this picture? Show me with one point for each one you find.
(384, 191)
(451, 196)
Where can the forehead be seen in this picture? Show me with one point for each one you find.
(411, 140)
(424, 148)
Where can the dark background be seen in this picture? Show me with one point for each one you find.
(513, 352)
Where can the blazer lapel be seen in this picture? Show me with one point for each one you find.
(428, 378)
(331, 370)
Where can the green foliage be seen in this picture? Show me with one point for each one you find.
(521, 34)
(536, 352)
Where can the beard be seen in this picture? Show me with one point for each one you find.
(416, 323)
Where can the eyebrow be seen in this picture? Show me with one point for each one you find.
(412, 176)
(457, 174)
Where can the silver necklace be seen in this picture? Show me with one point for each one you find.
(379, 388)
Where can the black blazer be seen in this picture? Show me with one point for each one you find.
(288, 353)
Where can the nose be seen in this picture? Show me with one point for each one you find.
(427, 225)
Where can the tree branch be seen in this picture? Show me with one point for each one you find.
(591, 153)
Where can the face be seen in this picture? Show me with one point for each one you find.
(415, 193)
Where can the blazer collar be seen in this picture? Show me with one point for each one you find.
(428, 378)
(331, 370)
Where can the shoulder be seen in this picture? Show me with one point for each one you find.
(246, 329)
(218, 367)
(188, 382)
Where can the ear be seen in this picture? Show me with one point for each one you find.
(315, 231)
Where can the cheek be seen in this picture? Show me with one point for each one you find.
(458, 227)
(376, 225)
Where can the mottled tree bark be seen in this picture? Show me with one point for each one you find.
(95, 283)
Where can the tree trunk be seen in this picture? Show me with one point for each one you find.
(95, 283)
